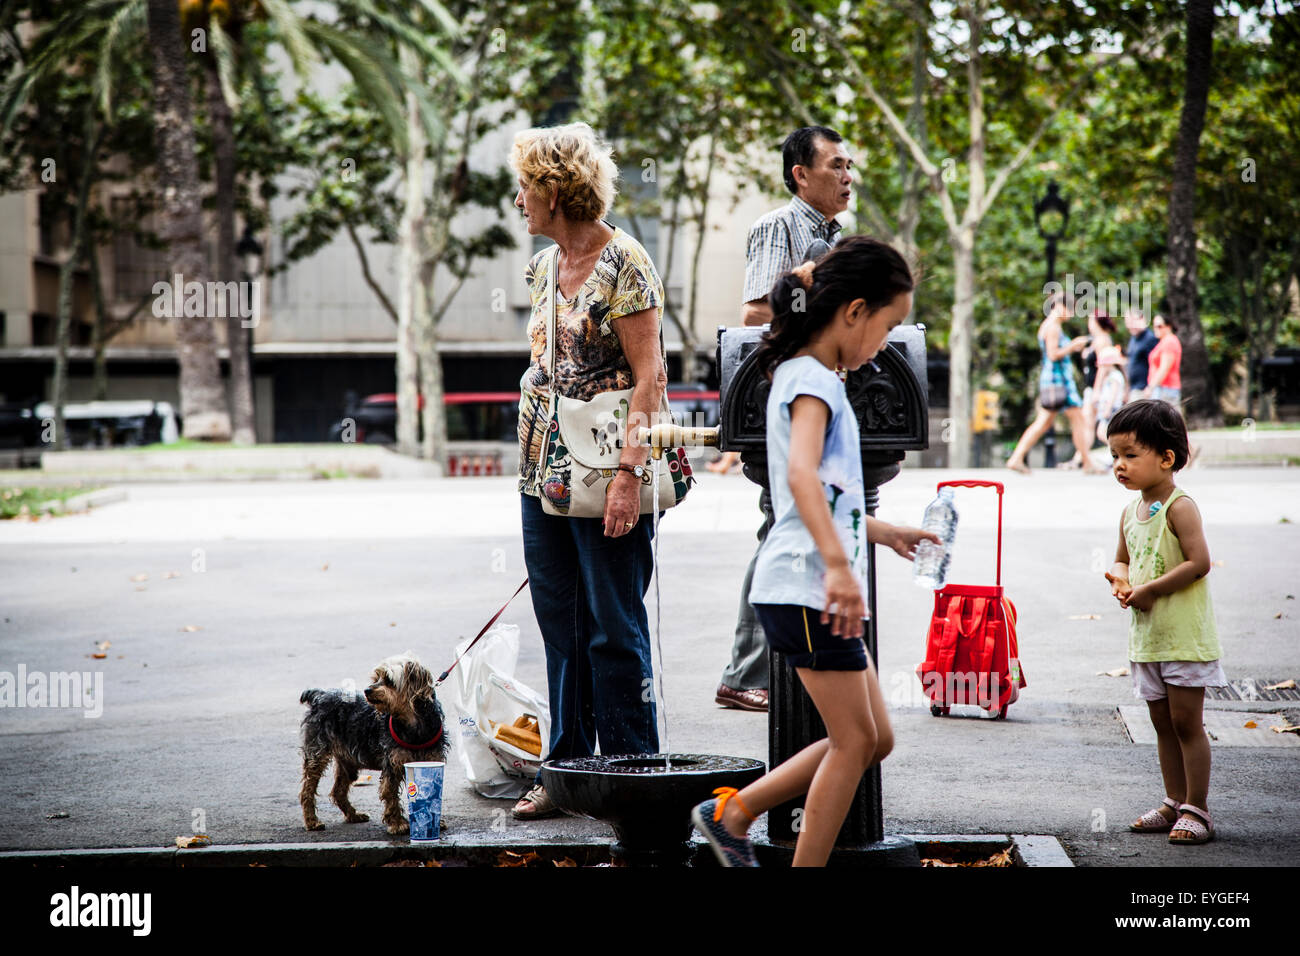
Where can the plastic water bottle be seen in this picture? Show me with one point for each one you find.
(930, 567)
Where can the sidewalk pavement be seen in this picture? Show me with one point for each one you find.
(255, 591)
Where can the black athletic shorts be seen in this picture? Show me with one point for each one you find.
(797, 632)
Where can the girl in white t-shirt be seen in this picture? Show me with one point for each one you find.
(809, 579)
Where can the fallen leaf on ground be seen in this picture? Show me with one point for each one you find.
(139, 577)
(97, 656)
(1288, 729)
(510, 858)
(997, 859)
(432, 863)
(403, 863)
(1117, 672)
(565, 862)
(171, 574)
(197, 840)
(1085, 617)
(1250, 725)
(191, 627)
(1277, 616)
(325, 567)
(104, 645)
(1281, 685)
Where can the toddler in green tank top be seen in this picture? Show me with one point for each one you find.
(1173, 648)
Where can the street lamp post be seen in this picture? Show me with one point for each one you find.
(1051, 216)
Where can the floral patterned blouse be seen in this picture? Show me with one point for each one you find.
(588, 356)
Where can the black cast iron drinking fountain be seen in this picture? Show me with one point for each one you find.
(647, 798)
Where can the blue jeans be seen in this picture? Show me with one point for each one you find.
(589, 598)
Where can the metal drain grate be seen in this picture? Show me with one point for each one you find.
(1252, 688)
(1226, 728)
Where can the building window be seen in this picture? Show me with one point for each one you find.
(136, 266)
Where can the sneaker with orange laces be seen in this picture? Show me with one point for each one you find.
(730, 850)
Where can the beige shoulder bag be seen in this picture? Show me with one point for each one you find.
(583, 444)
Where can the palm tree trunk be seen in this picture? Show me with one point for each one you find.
(1180, 285)
(67, 270)
(99, 333)
(227, 269)
(203, 400)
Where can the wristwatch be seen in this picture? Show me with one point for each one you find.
(637, 470)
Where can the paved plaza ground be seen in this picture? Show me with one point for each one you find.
(310, 583)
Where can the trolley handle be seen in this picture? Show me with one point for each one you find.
(972, 483)
(976, 483)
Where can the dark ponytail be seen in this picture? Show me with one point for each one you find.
(857, 267)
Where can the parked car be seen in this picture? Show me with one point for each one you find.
(114, 424)
(19, 426)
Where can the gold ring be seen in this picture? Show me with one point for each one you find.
(628, 525)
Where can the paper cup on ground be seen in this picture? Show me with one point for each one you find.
(424, 799)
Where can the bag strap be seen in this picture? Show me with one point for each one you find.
(948, 640)
(978, 606)
(986, 663)
(552, 293)
(443, 676)
(552, 290)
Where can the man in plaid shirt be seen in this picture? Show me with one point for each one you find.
(817, 170)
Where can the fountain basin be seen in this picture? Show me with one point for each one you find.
(647, 803)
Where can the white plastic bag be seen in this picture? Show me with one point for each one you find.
(483, 692)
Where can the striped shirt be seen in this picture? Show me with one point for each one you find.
(779, 241)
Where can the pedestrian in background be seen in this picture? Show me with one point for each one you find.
(1057, 390)
(1140, 343)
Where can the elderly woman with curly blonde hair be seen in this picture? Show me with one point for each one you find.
(588, 576)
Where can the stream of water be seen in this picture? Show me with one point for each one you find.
(663, 706)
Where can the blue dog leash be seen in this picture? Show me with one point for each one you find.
(443, 676)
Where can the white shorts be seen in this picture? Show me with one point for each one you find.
(1150, 677)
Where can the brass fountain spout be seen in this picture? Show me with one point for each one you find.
(669, 435)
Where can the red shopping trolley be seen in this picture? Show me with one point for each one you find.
(971, 652)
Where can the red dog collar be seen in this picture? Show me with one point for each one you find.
(403, 743)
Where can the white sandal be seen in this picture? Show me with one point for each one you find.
(1153, 821)
(1197, 823)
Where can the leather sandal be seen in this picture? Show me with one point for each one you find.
(1153, 821)
(1195, 821)
(536, 804)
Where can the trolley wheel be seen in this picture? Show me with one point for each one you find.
(938, 711)
(1002, 714)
